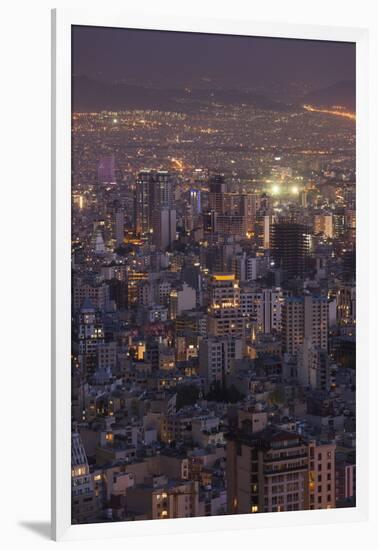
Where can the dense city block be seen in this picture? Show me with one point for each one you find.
(213, 310)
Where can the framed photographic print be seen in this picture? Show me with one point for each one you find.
(209, 315)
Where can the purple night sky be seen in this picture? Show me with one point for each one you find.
(171, 59)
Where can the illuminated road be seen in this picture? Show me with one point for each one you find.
(336, 112)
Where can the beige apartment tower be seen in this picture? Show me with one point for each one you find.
(277, 471)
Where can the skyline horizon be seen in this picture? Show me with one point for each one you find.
(201, 60)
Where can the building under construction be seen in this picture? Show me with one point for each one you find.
(289, 248)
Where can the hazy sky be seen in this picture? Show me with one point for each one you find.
(174, 59)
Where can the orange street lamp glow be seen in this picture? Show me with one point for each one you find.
(336, 112)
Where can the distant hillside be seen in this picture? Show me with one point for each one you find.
(342, 93)
(93, 95)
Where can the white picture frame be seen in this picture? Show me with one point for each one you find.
(61, 271)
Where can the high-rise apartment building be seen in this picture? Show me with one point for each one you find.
(225, 314)
(90, 336)
(163, 227)
(248, 210)
(163, 189)
(144, 201)
(304, 318)
(263, 220)
(224, 291)
(153, 192)
(119, 227)
(224, 321)
(216, 357)
(264, 307)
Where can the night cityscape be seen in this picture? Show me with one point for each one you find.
(213, 275)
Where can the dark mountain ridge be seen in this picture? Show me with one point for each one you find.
(342, 93)
(93, 95)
